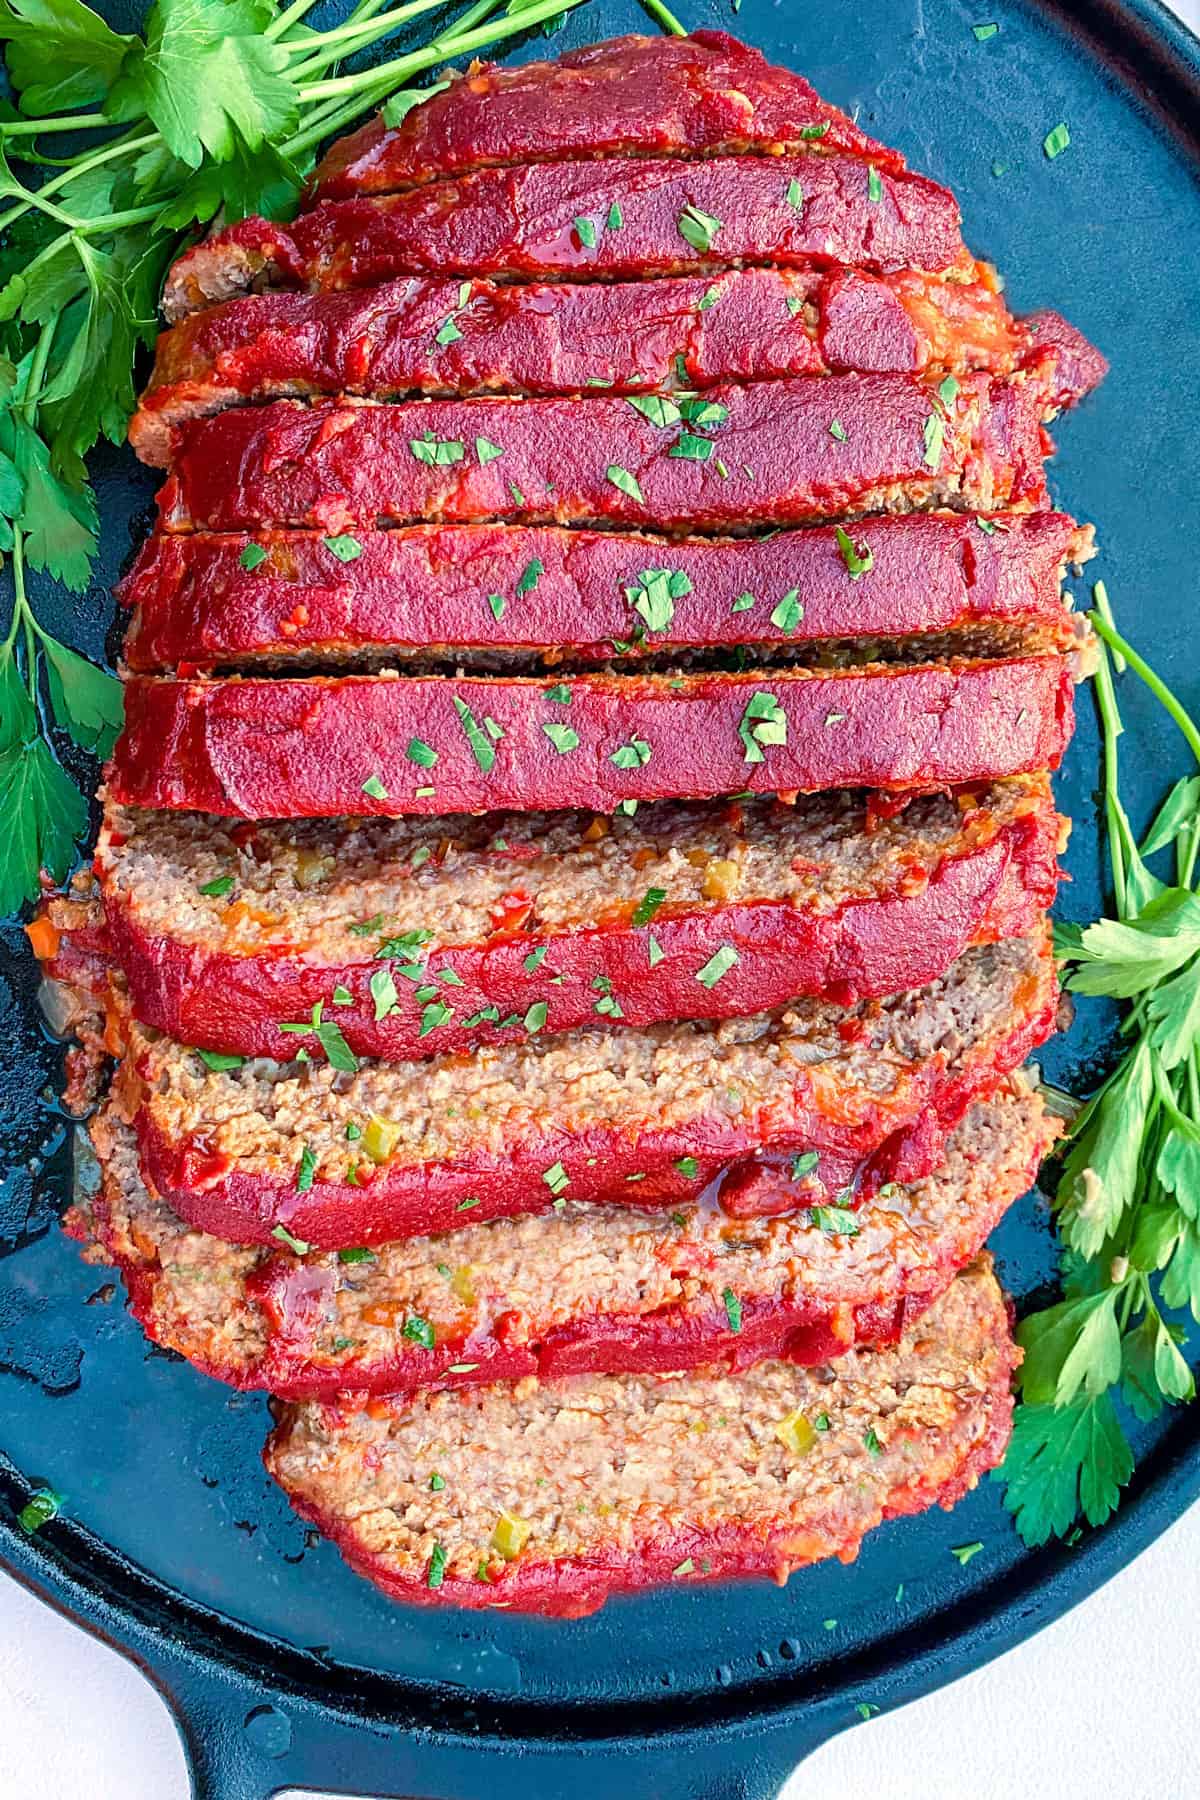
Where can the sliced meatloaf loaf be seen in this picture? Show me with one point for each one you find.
(551, 1496)
(223, 932)
(592, 1289)
(772, 452)
(661, 96)
(417, 334)
(576, 595)
(319, 746)
(344, 1152)
(629, 216)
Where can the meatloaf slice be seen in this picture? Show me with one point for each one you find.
(417, 334)
(551, 1496)
(221, 932)
(560, 219)
(318, 746)
(770, 453)
(391, 1150)
(592, 1290)
(511, 591)
(661, 96)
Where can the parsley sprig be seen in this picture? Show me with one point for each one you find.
(216, 111)
(1128, 1200)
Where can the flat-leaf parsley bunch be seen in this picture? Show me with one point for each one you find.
(1128, 1201)
(218, 108)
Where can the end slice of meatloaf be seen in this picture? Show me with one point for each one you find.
(773, 452)
(428, 335)
(591, 1290)
(388, 745)
(207, 601)
(550, 1497)
(366, 1152)
(661, 96)
(676, 218)
(221, 933)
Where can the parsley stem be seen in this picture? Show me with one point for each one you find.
(284, 21)
(1158, 687)
(70, 122)
(667, 19)
(455, 44)
(125, 146)
(354, 37)
(1110, 720)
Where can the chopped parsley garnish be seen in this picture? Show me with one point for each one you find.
(963, 1553)
(213, 890)
(706, 302)
(496, 602)
(434, 1014)
(447, 332)
(763, 722)
(809, 133)
(556, 1178)
(743, 603)
(789, 613)
(948, 390)
(837, 430)
(342, 996)
(383, 993)
(707, 414)
(344, 547)
(793, 304)
(733, 1309)
(688, 1167)
(437, 1567)
(421, 753)
(357, 1254)
(686, 1567)
(530, 575)
(375, 788)
(481, 744)
(982, 33)
(874, 185)
(1056, 141)
(418, 1331)
(935, 437)
(560, 694)
(837, 1220)
(654, 951)
(691, 448)
(367, 927)
(252, 556)
(804, 1164)
(648, 905)
(795, 193)
(220, 1061)
(653, 599)
(535, 1018)
(466, 1205)
(293, 1243)
(615, 218)
(486, 451)
(633, 755)
(437, 453)
(535, 959)
(698, 228)
(871, 1440)
(718, 964)
(585, 230)
(859, 560)
(660, 409)
(306, 1171)
(42, 1506)
(625, 482)
(564, 737)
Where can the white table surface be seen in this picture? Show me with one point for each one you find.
(1100, 1706)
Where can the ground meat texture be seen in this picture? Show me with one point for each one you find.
(526, 590)
(552, 219)
(317, 746)
(663, 96)
(777, 452)
(591, 1290)
(221, 933)
(416, 335)
(552, 1496)
(632, 1118)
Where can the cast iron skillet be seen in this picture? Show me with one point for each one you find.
(283, 1669)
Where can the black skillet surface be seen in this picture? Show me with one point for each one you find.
(284, 1669)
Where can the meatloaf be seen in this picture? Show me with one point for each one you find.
(417, 334)
(594, 1289)
(629, 216)
(319, 746)
(221, 932)
(551, 1496)
(660, 96)
(772, 452)
(578, 595)
(347, 1152)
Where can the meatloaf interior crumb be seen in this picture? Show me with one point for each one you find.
(334, 890)
(611, 1467)
(268, 1115)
